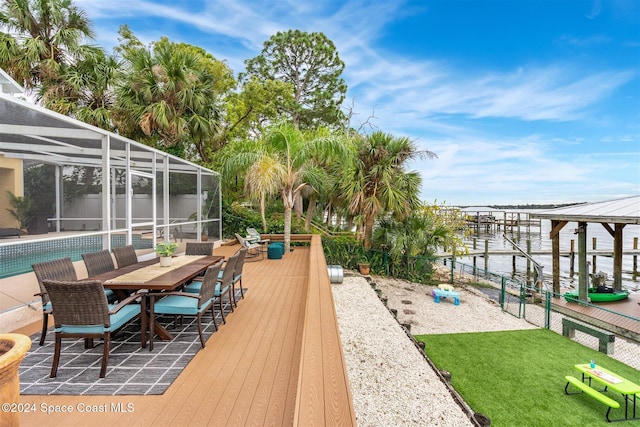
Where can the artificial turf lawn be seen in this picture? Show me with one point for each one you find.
(516, 378)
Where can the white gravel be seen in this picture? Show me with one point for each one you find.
(476, 312)
(391, 383)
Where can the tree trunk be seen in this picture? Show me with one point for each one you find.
(287, 229)
(287, 201)
(298, 205)
(262, 213)
(311, 210)
(368, 230)
(328, 221)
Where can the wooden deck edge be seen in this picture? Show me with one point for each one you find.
(323, 395)
(294, 237)
(602, 324)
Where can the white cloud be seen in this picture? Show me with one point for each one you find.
(444, 106)
(596, 8)
(553, 92)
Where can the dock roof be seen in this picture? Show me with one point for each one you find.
(618, 211)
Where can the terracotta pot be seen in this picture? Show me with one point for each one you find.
(13, 348)
(364, 268)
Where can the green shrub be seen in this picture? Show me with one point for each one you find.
(347, 251)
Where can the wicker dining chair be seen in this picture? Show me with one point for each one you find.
(237, 274)
(82, 311)
(204, 248)
(224, 285)
(98, 262)
(125, 255)
(187, 304)
(57, 269)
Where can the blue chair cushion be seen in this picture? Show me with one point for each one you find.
(175, 304)
(193, 287)
(220, 291)
(125, 314)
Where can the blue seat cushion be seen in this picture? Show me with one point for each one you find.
(118, 319)
(220, 291)
(193, 287)
(176, 304)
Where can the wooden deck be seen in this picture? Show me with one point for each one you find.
(619, 316)
(277, 361)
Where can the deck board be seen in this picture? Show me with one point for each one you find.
(619, 316)
(248, 374)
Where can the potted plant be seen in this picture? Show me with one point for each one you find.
(207, 227)
(165, 250)
(364, 267)
(21, 210)
(13, 348)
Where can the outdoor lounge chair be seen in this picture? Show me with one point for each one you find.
(194, 248)
(189, 304)
(82, 311)
(125, 255)
(10, 232)
(253, 249)
(254, 237)
(58, 269)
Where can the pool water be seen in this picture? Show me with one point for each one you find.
(17, 258)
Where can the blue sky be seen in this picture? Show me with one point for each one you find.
(522, 101)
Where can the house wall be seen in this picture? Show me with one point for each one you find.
(90, 206)
(10, 180)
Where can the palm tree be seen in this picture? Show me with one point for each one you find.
(377, 182)
(42, 38)
(87, 90)
(285, 160)
(170, 95)
(261, 183)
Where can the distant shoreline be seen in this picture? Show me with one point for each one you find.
(528, 206)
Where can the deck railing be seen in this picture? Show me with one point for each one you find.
(323, 396)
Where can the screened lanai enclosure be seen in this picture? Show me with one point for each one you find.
(77, 188)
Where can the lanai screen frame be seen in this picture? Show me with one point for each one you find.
(34, 134)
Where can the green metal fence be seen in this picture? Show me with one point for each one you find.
(535, 305)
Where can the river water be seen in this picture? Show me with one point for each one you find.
(539, 237)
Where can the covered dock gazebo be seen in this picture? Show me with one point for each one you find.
(613, 215)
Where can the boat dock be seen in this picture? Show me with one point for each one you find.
(495, 221)
(571, 253)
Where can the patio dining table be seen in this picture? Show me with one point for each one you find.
(149, 275)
